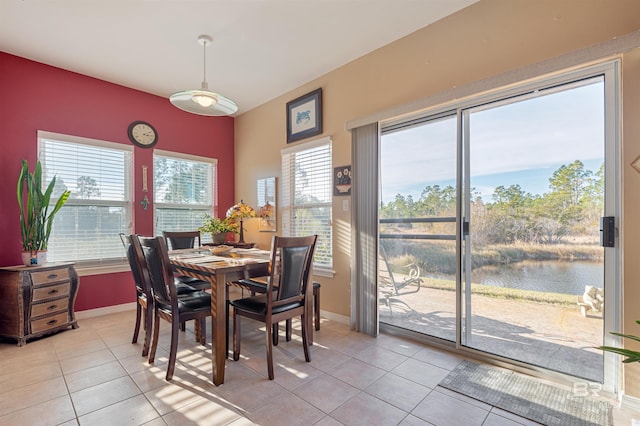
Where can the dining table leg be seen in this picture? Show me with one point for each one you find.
(218, 328)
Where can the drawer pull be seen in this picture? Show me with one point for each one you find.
(54, 291)
(53, 321)
(52, 276)
(52, 307)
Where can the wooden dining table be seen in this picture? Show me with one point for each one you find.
(219, 270)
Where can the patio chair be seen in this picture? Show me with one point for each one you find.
(385, 274)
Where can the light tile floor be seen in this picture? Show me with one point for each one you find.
(95, 376)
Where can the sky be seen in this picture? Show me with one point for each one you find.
(521, 141)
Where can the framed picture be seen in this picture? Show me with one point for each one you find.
(342, 180)
(304, 116)
(267, 205)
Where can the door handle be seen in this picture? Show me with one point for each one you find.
(607, 231)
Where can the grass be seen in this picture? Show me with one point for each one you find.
(506, 293)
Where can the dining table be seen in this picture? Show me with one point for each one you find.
(220, 269)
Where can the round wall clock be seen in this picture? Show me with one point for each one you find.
(142, 134)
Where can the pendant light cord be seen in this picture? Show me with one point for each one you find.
(204, 76)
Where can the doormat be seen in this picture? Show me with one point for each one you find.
(526, 397)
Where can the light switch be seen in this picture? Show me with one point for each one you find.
(345, 205)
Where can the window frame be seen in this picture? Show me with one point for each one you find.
(212, 179)
(107, 264)
(288, 199)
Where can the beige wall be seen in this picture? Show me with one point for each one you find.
(486, 39)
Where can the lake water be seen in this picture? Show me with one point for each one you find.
(546, 276)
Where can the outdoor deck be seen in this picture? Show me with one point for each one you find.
(552, 336)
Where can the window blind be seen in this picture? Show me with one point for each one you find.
(306, 196)
(185, 190)
(98, 174)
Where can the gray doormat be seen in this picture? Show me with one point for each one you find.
(526, 397)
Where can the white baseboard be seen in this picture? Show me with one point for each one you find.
(106, 310)
(630, 403)
(334, 317)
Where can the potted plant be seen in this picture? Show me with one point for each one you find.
(218, 228)
(36, 214)
(631, 355)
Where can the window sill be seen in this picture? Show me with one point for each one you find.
(323, 272)
(84, 271)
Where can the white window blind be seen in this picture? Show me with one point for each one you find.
(306, 196)
(98, 174)
(185, 188)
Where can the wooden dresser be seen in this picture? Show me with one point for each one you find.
(37, 300)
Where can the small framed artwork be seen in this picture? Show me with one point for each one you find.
(267, 205)
(304, 116)
(342, 180)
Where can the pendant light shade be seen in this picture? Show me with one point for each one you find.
(203, 101)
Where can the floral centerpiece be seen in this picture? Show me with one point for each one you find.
(218, 228)
(239, 212)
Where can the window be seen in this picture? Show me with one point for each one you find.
(306, 197)
(98, 174)
(185, 188)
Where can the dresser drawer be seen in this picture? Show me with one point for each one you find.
(51, 321)
(45, 308)
(43, 293)
(39, 278)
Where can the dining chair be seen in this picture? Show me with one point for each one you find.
(167, 304)
(180, 240)
(285, 298)
(144, 298)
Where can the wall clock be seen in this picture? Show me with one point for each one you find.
(142, 134)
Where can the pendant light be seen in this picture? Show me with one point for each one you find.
(202, 101)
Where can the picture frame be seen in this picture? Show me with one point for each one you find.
(267, 212)
(304, 116)
(342, 180)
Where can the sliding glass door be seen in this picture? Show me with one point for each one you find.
(491, 223)
(417, 279)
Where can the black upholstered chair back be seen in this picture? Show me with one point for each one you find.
(134, 263)
(291, 259)
(182, 240)
(160, 273)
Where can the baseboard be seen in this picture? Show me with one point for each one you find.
(106, 310)
(334, 317)
(630, 403)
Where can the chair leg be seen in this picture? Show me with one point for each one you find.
(270, 350)
(137, 326)
(236, 336)
(203, 331)
(148, 323)
(305, 343)
(288, 330)
(156, 332)
(316, 307)
(183, 326)
(173, 349)
(226, 318)
(276, 334)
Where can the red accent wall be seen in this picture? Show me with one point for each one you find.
(40, 97)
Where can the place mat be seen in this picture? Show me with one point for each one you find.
(526, 397)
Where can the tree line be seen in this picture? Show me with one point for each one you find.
(571, 208)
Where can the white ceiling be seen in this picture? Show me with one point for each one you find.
(261, 48)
